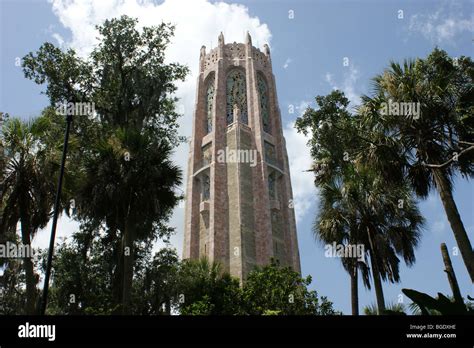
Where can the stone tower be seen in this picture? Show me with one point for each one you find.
(239, 208)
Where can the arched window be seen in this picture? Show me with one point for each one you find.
(263, 99)
(209, 104)
(236, 97)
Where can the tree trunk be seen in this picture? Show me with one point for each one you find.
(127, 270)
(455, 221)
(118, 277)
(377, 286)
(453, 283)
(354, 290)
(376, 276)
(28, 265)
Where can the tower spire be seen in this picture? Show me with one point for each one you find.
(221, 39)
(266, 50)
(220, 45)
(202, 56)
(248, 39)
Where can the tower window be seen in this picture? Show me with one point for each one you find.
(271, 185)
(209, 104)
(236, 97)
(206, 155)
(263, 100)
(270, 155)
(206, 188)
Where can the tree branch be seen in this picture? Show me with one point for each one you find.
(440, 166)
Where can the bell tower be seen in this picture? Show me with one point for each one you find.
(239, 208)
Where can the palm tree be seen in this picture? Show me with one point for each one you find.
(129, 184)
(430, 147)
(26, 191)
(393, 224)
(335, 223)
(357, 205)
(360, 209)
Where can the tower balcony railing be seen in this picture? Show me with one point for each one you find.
(274, 162)
(204, 162)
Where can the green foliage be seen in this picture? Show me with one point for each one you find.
(136, 86)
(271, 312)
(392, 309)
(124, 180)
(156, 285)
(81, 281)
(442, 304)
(368, 162)
(125, 77)
(200, 307)
(84, 278)
(357, 206)
(12, 292)
(427, 148)
(132, 172)
(27, 189)
(204, 288)
(444, 88)
(273, 289)
(269, 290)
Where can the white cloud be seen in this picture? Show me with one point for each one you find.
(304, 191)
(348, 85)
(64, 229)
(287, 63)
(59, 39)
(198, 23)
(443, 25)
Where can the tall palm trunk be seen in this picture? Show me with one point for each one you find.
(127, 270)
(377, 285)
(118, 277)
(28, 265)
(448, 268)
(376, 275)
(354, 289)
(455, 221)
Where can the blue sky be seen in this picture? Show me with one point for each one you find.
(307, 54)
